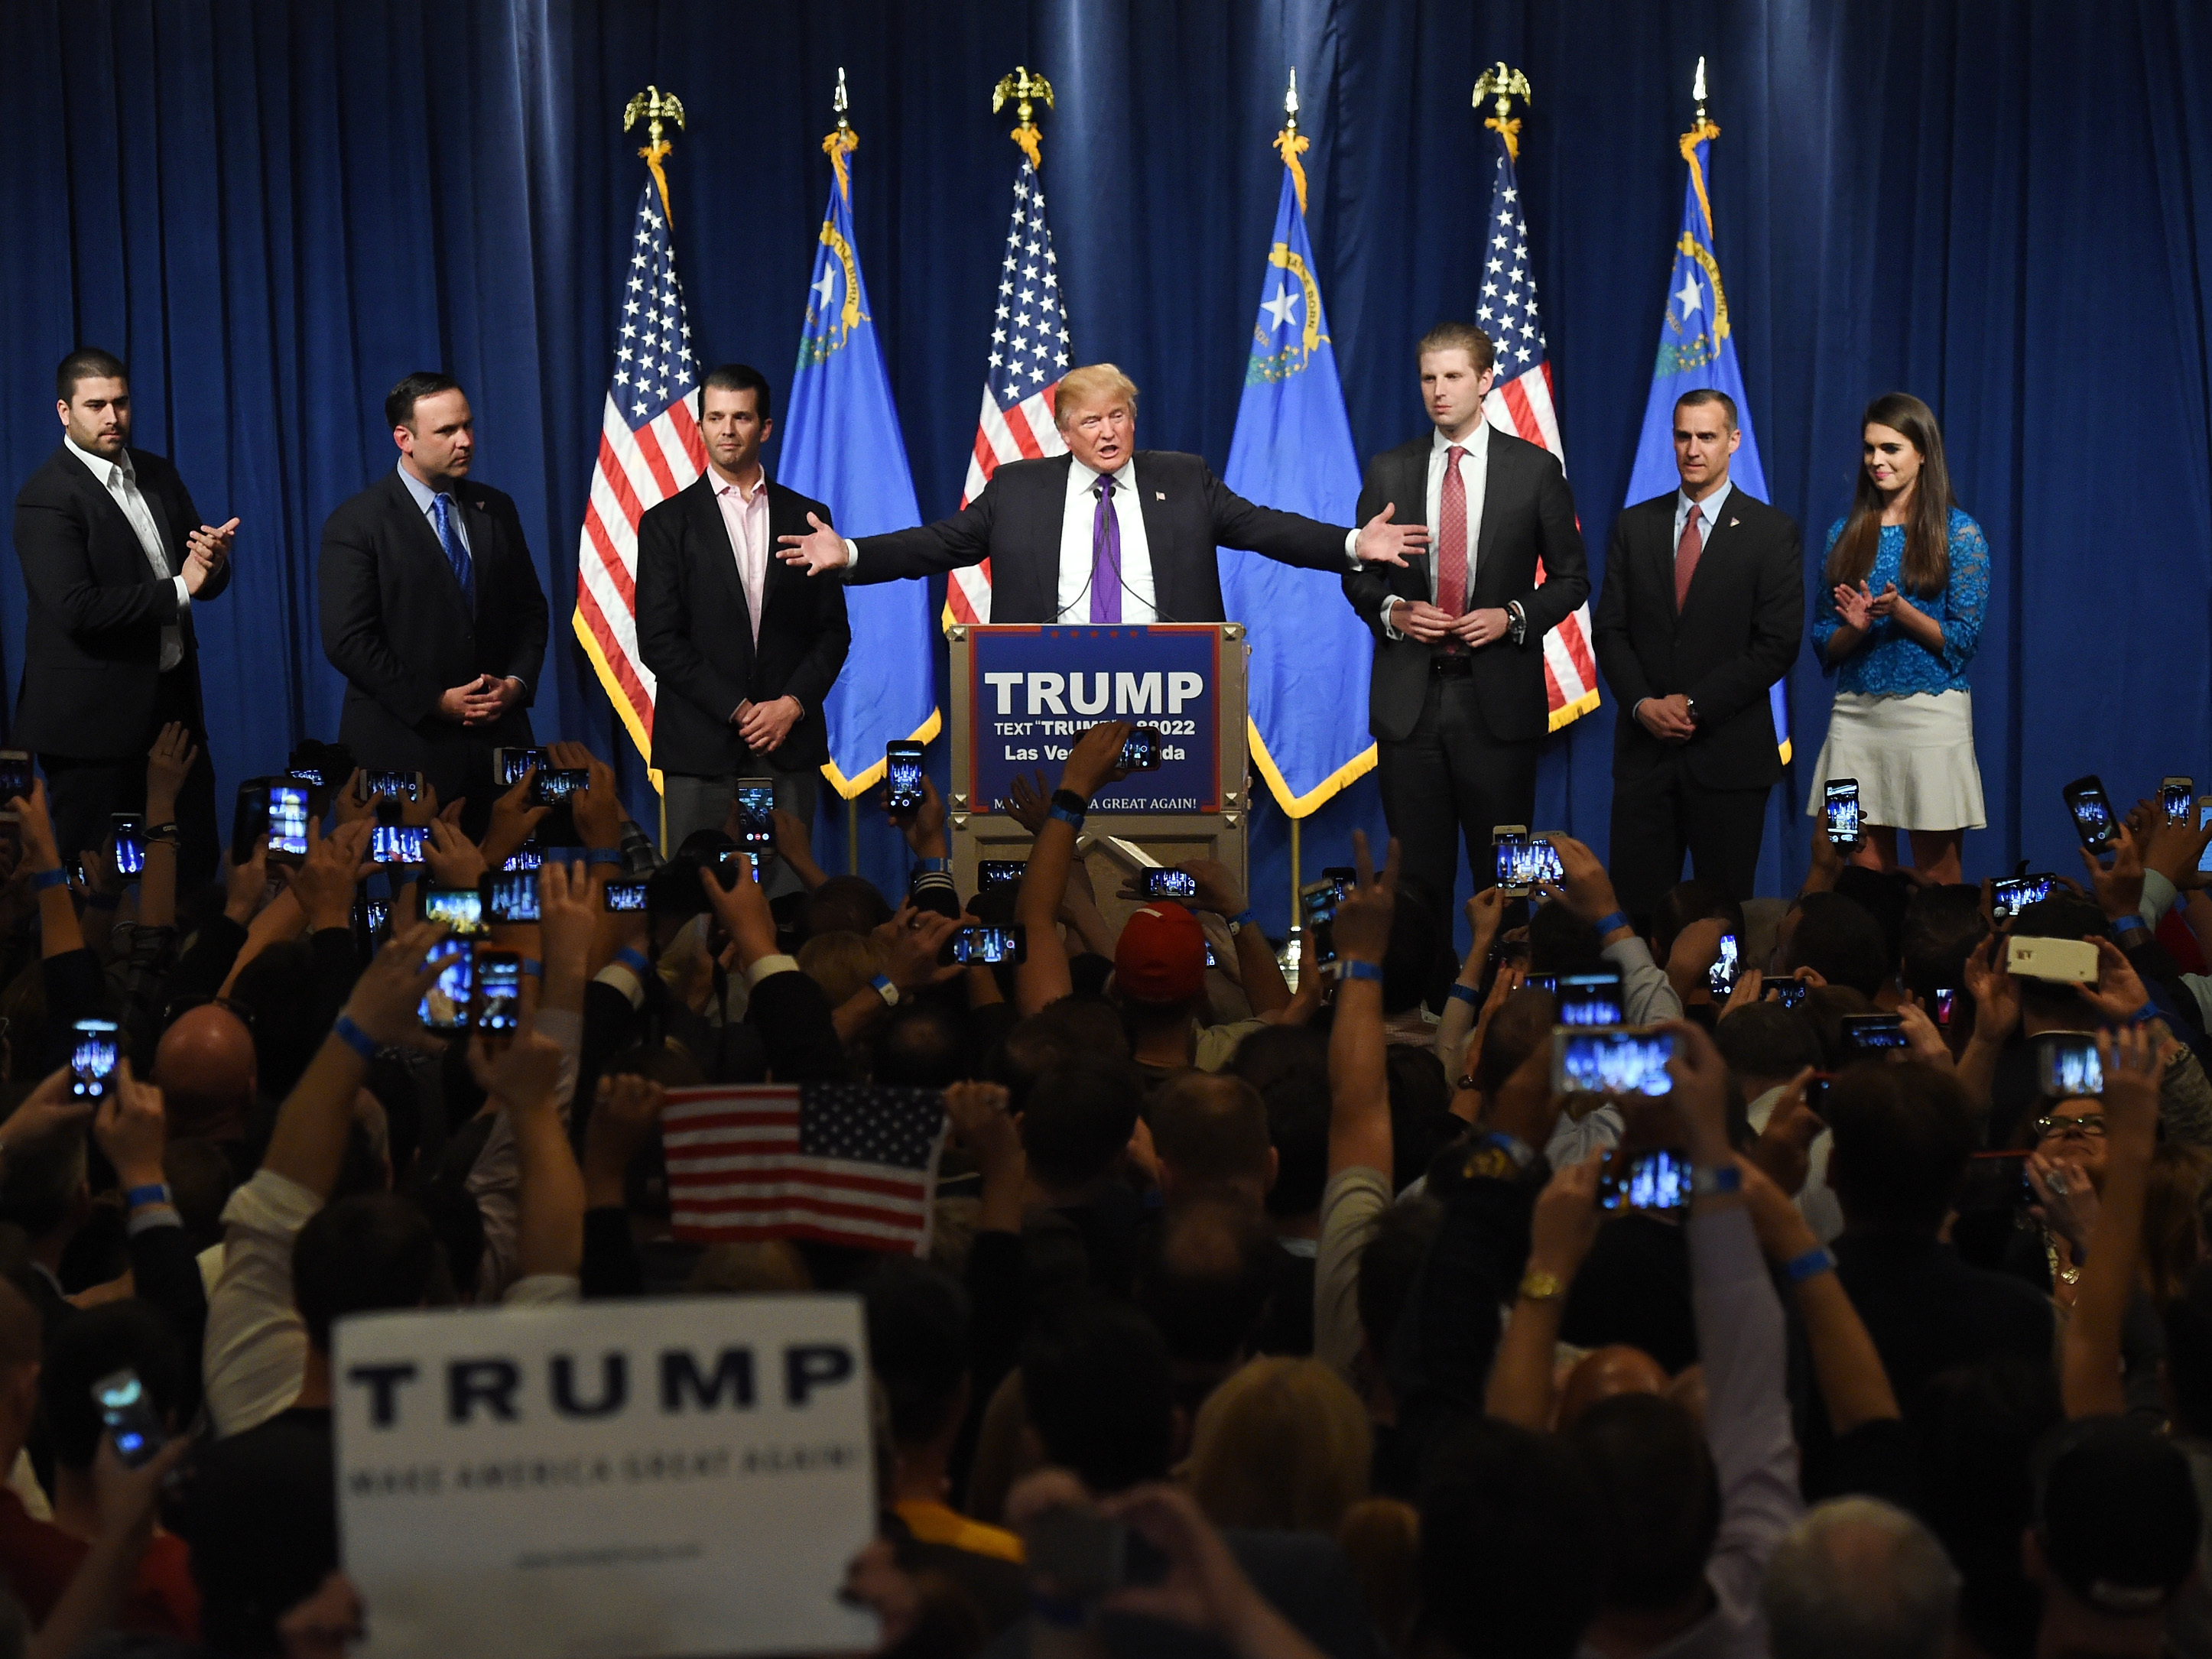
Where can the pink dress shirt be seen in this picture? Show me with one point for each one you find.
(745, 517)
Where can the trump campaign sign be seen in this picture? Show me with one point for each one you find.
(1036, 691)
(677, 1476)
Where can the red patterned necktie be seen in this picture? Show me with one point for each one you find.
(1452, 543)
(1685, 556)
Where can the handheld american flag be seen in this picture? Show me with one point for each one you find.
(649, 449)
(1029, 353)
(847, 1163)
(1520, 403)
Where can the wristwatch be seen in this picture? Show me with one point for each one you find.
(1537, 1285)
(1516, 621)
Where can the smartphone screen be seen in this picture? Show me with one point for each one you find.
(1720, 979)
(1946, 1005)
(499, 991)
(2203, 818)
(510, 898)
(396, 786)
(1620, 1062)
(1141, 753)
(1511, 853)
(249, 819)
(556, 784)
(1346, 878)
(1588, 998)
(129, 843)
(2008, 897)
(903, 772)
(398, 843)
(986, 947)
(288, 820)
(998, 872)
(624, 896)
(14, 774)
(528, 856)
(1317, 909)
(1842, 797)
(1656, 1180)
(1789, 993)
(2068, 1064)
(2092, 814)
(509, 764)
(1873, 1034)
(2174, 795)
(127, 1413)
(1171, 884)
(444, 1005)
(461, 908)
(92, 1059)
(755, 799)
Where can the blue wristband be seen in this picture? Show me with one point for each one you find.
(634, 959)
(533, 968)
(1716, 1183)
(139, 1197)
(1618, 918)
(1816, 1261)
(47, 880)
(1073, 819)
(885, 989)
(2128, 924)
(354, 1038)
(1463, 993)
(603, 855)
(1352, 970)
(1512, 1145)
(2144, 1015)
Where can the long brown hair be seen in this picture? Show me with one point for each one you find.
(1927, 565)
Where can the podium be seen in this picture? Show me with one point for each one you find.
(1022, 693)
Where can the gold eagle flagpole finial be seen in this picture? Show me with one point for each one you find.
(1290, 141)
(843, 140)
(1026, 90)
(656, 107)
(1504, 85)
(1702, 130)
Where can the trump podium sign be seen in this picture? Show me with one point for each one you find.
(1032, 691)
(669, 1477)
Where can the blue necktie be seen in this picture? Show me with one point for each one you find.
(457, 555)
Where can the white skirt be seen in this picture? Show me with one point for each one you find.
(1913, 757)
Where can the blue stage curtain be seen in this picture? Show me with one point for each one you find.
(2003, 206)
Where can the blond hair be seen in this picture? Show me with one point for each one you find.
(1079, 386)
(1481, 354)
(842, 963)
(1284, 1446)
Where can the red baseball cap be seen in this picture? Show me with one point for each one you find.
(1161, 955)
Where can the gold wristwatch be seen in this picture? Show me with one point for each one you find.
(1537, 1285)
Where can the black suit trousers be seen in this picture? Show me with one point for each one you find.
(82, 794)
(1662, 814)
(1448, 779)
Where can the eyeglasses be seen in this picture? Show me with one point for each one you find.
(2092, 1125)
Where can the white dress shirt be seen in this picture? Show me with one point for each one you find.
(121, 480)
(1474, 476)
(1074, 601)
(745, 517)
(1708, 511)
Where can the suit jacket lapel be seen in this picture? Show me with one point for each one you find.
(1410, 497)
(95, 491)
(721, 556)
(1167, 600)
(1049, 505)
(424, 535)
(1495, 481)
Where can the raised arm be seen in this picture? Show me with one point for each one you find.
(1043, 978)
(1358, 1088)
(2089, 1368)
(1560, 1234)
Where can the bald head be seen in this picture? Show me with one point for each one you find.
(1857, 1579)
(1604, 1372)
(205, 1069)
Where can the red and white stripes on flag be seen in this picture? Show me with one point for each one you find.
(649, 449)
(1522, 406)
(845, 1163)
(1028, 354)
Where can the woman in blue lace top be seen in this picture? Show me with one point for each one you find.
(1897, 620)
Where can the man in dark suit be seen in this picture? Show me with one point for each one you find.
(431, 607)
(114, 558)
(1456, 703)
(1105, 533)
(1702, 610)
(743, 650)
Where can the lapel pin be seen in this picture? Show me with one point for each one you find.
(1159, 494)
(1734, 522)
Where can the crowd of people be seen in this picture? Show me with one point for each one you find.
(1327, 1305)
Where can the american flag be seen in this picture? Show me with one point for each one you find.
(1520, 403)
(649, 449)
(847, 1163)
(1028, 354)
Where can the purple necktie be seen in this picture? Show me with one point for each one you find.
(1105, 556)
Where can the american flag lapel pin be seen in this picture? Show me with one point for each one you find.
(1159, 494)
